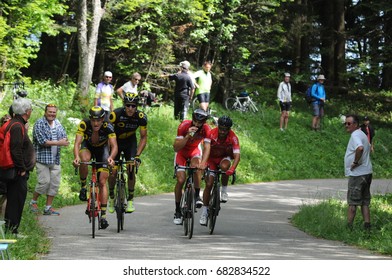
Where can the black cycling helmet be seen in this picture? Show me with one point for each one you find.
(225, 121)
(97, 112)
(199, 115)
(131, 98)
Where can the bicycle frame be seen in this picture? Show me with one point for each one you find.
(242, 103)
(121, 189)
(188, 201)
(93, 209)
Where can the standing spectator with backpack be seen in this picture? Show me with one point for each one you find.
(22, 153)
(319, 96)
(284, 97)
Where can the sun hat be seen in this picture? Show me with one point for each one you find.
(320, 77)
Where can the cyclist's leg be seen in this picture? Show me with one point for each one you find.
(129, 149)
(102, 155)
(195, 161)
(85, 155)
(224, 165)
(180, 160)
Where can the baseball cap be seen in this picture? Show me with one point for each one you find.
(287, 74)
(366, 118)
(185, 64)
(108, 74)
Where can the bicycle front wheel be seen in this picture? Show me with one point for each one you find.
(92, 211)
(191, 211)
(120, 197)
(232, 104)
(214, 207)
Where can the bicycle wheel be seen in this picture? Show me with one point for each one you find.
(232, 104)
(92, 209)
(119, 205)
(214, 207)
(184, 210)
(195, 104)
(191, 211)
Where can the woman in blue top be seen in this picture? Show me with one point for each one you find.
(319, 96)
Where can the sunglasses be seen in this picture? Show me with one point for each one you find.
(108, 77)
(225, 129)
(131, 105)
(348, 123)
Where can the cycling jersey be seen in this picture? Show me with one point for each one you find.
(105, 132)
(202, 134)
(126, 126)
(224, 148)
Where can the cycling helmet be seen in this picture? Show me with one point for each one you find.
(131, 98)
(225, 121)
(199, 115)
(96, 112)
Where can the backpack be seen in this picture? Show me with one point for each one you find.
(6, 161)
(308, 95)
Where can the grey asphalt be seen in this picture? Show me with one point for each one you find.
(253, 225)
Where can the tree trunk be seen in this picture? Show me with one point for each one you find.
(386, 83)
(88, 27)
(340, 46)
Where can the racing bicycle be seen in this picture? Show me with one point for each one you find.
(214, 203)
(188, 201)
(242, 102)
(93, 210)
(121, 194)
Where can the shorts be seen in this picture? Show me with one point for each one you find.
(203, 97)
(48, 179)
(284, 106)
(182, 156)
(100, 154)
(127, 146)
(358, 193)
(318, 109)
(213, 163)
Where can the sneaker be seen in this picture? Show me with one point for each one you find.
(51, 211)
(104, 223)
(224, 196)
(199, 202)
(111, 205)
(177, 218)
(34, 208)
(203, 218)
(130, 207)
(83, 194)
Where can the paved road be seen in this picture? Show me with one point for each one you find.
(254, 224)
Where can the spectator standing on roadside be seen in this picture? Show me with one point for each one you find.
(48, 136)
(284, 97)
(358, 168)
(368, 129)
(203, 85)
(22, 153)
(319, 96)
(104, 94)
(183, 91)
(130, 86)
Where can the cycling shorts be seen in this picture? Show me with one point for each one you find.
(127, 146)
(182, 156)
(214, 163)
(100, 154)
(203, 97)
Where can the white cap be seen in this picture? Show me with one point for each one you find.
(287, 74)
(108, 74)
(185, 64)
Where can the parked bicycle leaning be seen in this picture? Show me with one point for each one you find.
(95, 138)
(224, 154)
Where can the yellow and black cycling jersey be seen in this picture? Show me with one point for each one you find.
(126, 126)
(105, 132)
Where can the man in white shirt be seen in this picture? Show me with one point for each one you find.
(130, 86)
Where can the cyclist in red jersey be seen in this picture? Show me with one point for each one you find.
(225, 147)
(190, 134)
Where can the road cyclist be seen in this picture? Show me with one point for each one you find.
(126, 120)
(190, 134)
(95, 139)
(224, 155)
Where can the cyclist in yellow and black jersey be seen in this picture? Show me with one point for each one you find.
(95, 138)
(126, 120)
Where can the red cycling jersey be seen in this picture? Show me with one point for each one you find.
(224, 148)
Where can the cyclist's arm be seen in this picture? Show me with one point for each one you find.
(180, 143)
(113, 149)
(142, 142)
(206, 155)
(78, 142)
(236, 161)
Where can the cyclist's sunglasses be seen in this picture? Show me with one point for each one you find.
(131, 105)
(223, 128)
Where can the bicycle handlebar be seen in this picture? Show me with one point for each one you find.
(222, 172)
(88, 163)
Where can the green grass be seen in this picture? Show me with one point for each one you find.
(267, 154)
